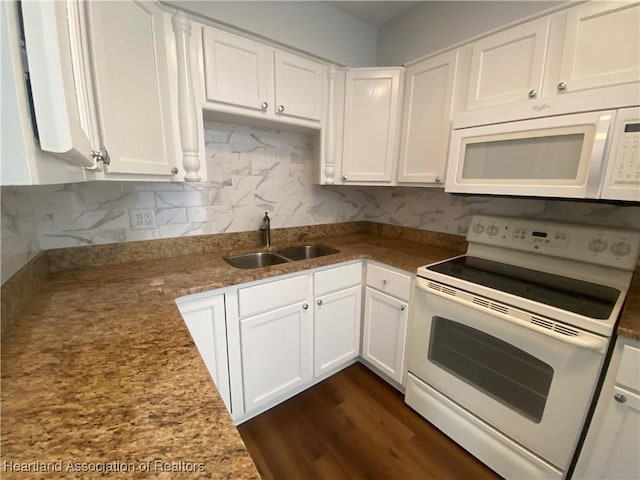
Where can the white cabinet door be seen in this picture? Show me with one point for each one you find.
(601, 46)
(237, 71)
(205, 319)
(298, 86)
(385, 326)
(336, 328)
(277, 353)
(428, 105)
(371, 124)
(130, 74)
(508, 67)
(616, 452)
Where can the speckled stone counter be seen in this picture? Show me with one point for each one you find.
(99, 372)
(629, 325)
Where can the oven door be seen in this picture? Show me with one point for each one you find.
(533, 386)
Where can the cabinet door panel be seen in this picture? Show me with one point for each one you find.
(505, 67)
(276, 354)
(298, 87)
(385, 323)
(601, 46)
(130, 73)
(206, 323)
(337, 328)
(428, 104)
(370, 125)
(616, 452)
(237, 70)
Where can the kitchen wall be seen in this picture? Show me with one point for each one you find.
(311, 26)
(254, 170)
(433, 25)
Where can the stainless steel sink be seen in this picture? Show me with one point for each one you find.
(255, 260)
(304, 252)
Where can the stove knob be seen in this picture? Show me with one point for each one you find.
(492, 230)
(597, 245)
(478, 228)
(621, 249)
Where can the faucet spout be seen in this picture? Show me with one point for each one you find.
(265, 230)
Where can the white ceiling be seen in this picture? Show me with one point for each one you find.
(374, 13)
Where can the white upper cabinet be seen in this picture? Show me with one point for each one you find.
(129, 57)
(245, 77)
(428, 108)
(508, 67)
(238, 71)
(298, 86)
(100, 83)
(371, 125)
(601, 46)
(58, 81)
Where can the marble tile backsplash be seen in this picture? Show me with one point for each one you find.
(20, 240)
(252, 171)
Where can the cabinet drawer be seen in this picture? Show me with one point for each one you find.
(272, 295)
(389, 281)
(629, 370)
(337, 278)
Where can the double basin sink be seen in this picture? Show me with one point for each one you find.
(283, 255)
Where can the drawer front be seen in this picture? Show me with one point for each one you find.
(338, 278)
(629, 370)
(272, 295)
(389, 281)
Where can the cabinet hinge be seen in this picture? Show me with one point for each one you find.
(101, 155)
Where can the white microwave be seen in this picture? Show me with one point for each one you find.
(583, 155)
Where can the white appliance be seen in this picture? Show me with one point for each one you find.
(507, 342)
(581, 155)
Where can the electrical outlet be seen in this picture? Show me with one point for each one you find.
(142, 218)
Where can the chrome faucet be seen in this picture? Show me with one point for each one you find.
(265, 230)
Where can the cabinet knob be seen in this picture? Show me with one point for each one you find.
(264, 105)
(533, 93)
(562, 86)
(344, 177)
(281, 108)
(384, 282)
(620, 397)
(319, 302)
(438, 179)
(174, 171)
(305, 306)
(402, 307)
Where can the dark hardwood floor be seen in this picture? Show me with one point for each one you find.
(350, 426)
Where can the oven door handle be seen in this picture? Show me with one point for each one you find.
(582, 341)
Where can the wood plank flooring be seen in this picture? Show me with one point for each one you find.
(352, 426)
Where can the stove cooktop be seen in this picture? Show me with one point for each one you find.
(577, 296)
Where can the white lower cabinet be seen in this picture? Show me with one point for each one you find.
(268, 340)
(338, 304)
(385, 321)
(205, 317)
(276, 353)
(385, 324)
(613, 439)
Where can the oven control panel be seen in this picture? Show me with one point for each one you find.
(588, 243)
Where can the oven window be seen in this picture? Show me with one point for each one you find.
(506, 373)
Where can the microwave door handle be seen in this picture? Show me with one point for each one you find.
(582, 341)
(597, 160)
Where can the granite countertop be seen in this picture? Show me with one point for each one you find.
(100, 371)
(629, 325)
